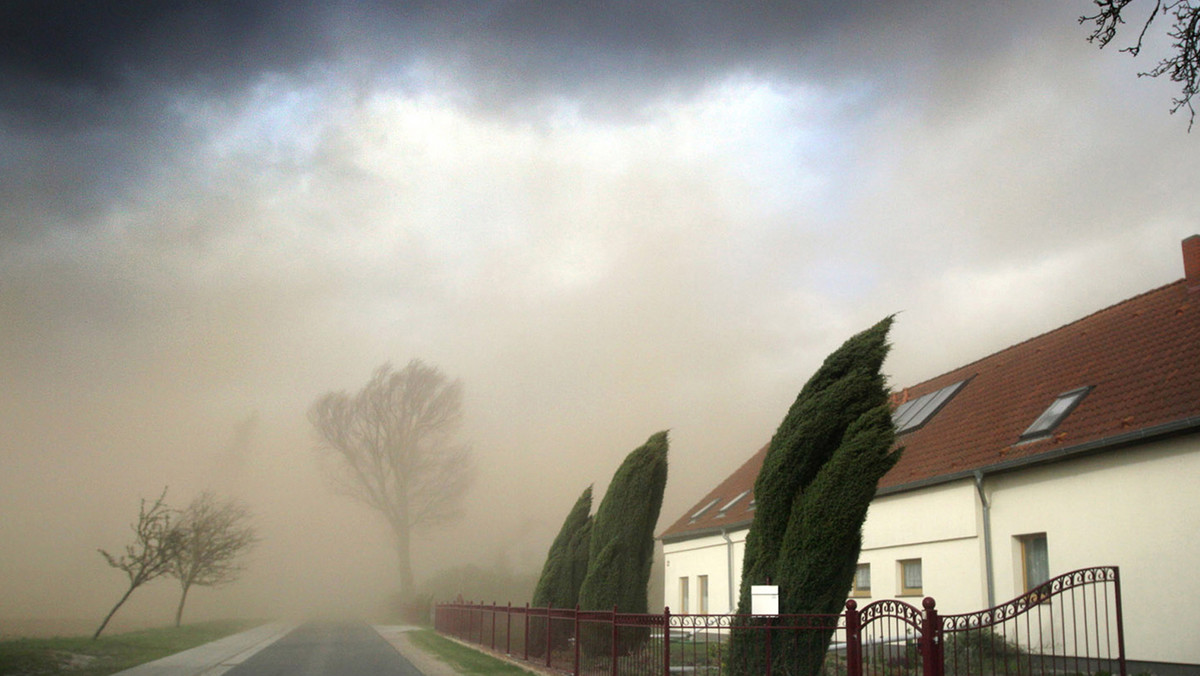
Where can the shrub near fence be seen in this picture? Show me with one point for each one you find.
(1069, 625)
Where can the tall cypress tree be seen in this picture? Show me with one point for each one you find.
(622, 539)
(828, 453)
(563, 572)
(566, 562)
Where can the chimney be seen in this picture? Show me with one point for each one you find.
(1191, 260)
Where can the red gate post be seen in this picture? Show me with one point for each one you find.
(931, 640)
(614, 641)
(577, 640)
(1120, 621)
(854, 665)
(666, 640)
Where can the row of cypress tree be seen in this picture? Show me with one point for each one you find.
(817, 481)
(603, 561)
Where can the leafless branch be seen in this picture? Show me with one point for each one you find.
(1182, 66)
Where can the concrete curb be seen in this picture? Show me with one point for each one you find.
(427, 664)
(215, 658)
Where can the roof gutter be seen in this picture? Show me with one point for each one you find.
(704, 532)
(1157, 432)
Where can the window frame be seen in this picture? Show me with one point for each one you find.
(702, 593)
(1024, 542)
(705, 509)
(1049, 419)
(902, 581)
(855, 589)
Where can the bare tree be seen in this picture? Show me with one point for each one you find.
(213, 534)
(395, 440)
(155, 546)
(1182, 65)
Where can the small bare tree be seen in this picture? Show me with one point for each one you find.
(155, 546)
(396, 446)
(212, 534)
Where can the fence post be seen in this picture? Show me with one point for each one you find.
(931, 640)
(578, 640)
(495, 609)
(768, 632)
(666, 640)
(614, 641)
(549, 634)
(508, 629)
(854, 665)
(527, 631)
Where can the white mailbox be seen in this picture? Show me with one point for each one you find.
(764, 599)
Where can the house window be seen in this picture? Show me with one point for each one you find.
(702, 591)
(1052, 416)
(862, 580)
(731, 503)
(1035, 560)
(683, 595)
(709, 505)
(910, 577)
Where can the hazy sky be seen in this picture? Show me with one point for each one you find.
(607, 219)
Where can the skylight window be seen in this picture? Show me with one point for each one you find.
(700, 512)
(913, 414)
(1052, 416)
(732, 502)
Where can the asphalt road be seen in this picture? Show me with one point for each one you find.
(327, 649)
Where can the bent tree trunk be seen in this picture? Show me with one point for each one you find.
(113, 612)
(182, 600)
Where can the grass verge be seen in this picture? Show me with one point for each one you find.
(81, 656)
(463, 659)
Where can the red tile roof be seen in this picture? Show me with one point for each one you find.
(1141, 358)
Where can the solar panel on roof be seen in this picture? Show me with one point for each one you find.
(913, 414)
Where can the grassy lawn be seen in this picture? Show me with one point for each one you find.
(461, 658)
(82, 656)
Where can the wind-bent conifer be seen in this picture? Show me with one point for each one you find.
(812, 494)
(566, 563)
(622, 540)
(563, 573)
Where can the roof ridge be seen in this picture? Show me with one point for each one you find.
(1039, 336)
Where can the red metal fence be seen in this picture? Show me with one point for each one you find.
(1068, 626)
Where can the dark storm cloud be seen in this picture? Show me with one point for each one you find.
(91, 91)
(66, 63)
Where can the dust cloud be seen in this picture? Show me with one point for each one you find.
(600, 221)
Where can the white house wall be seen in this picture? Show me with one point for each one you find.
(1138, 509)
(939, 525)
(704, 556)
